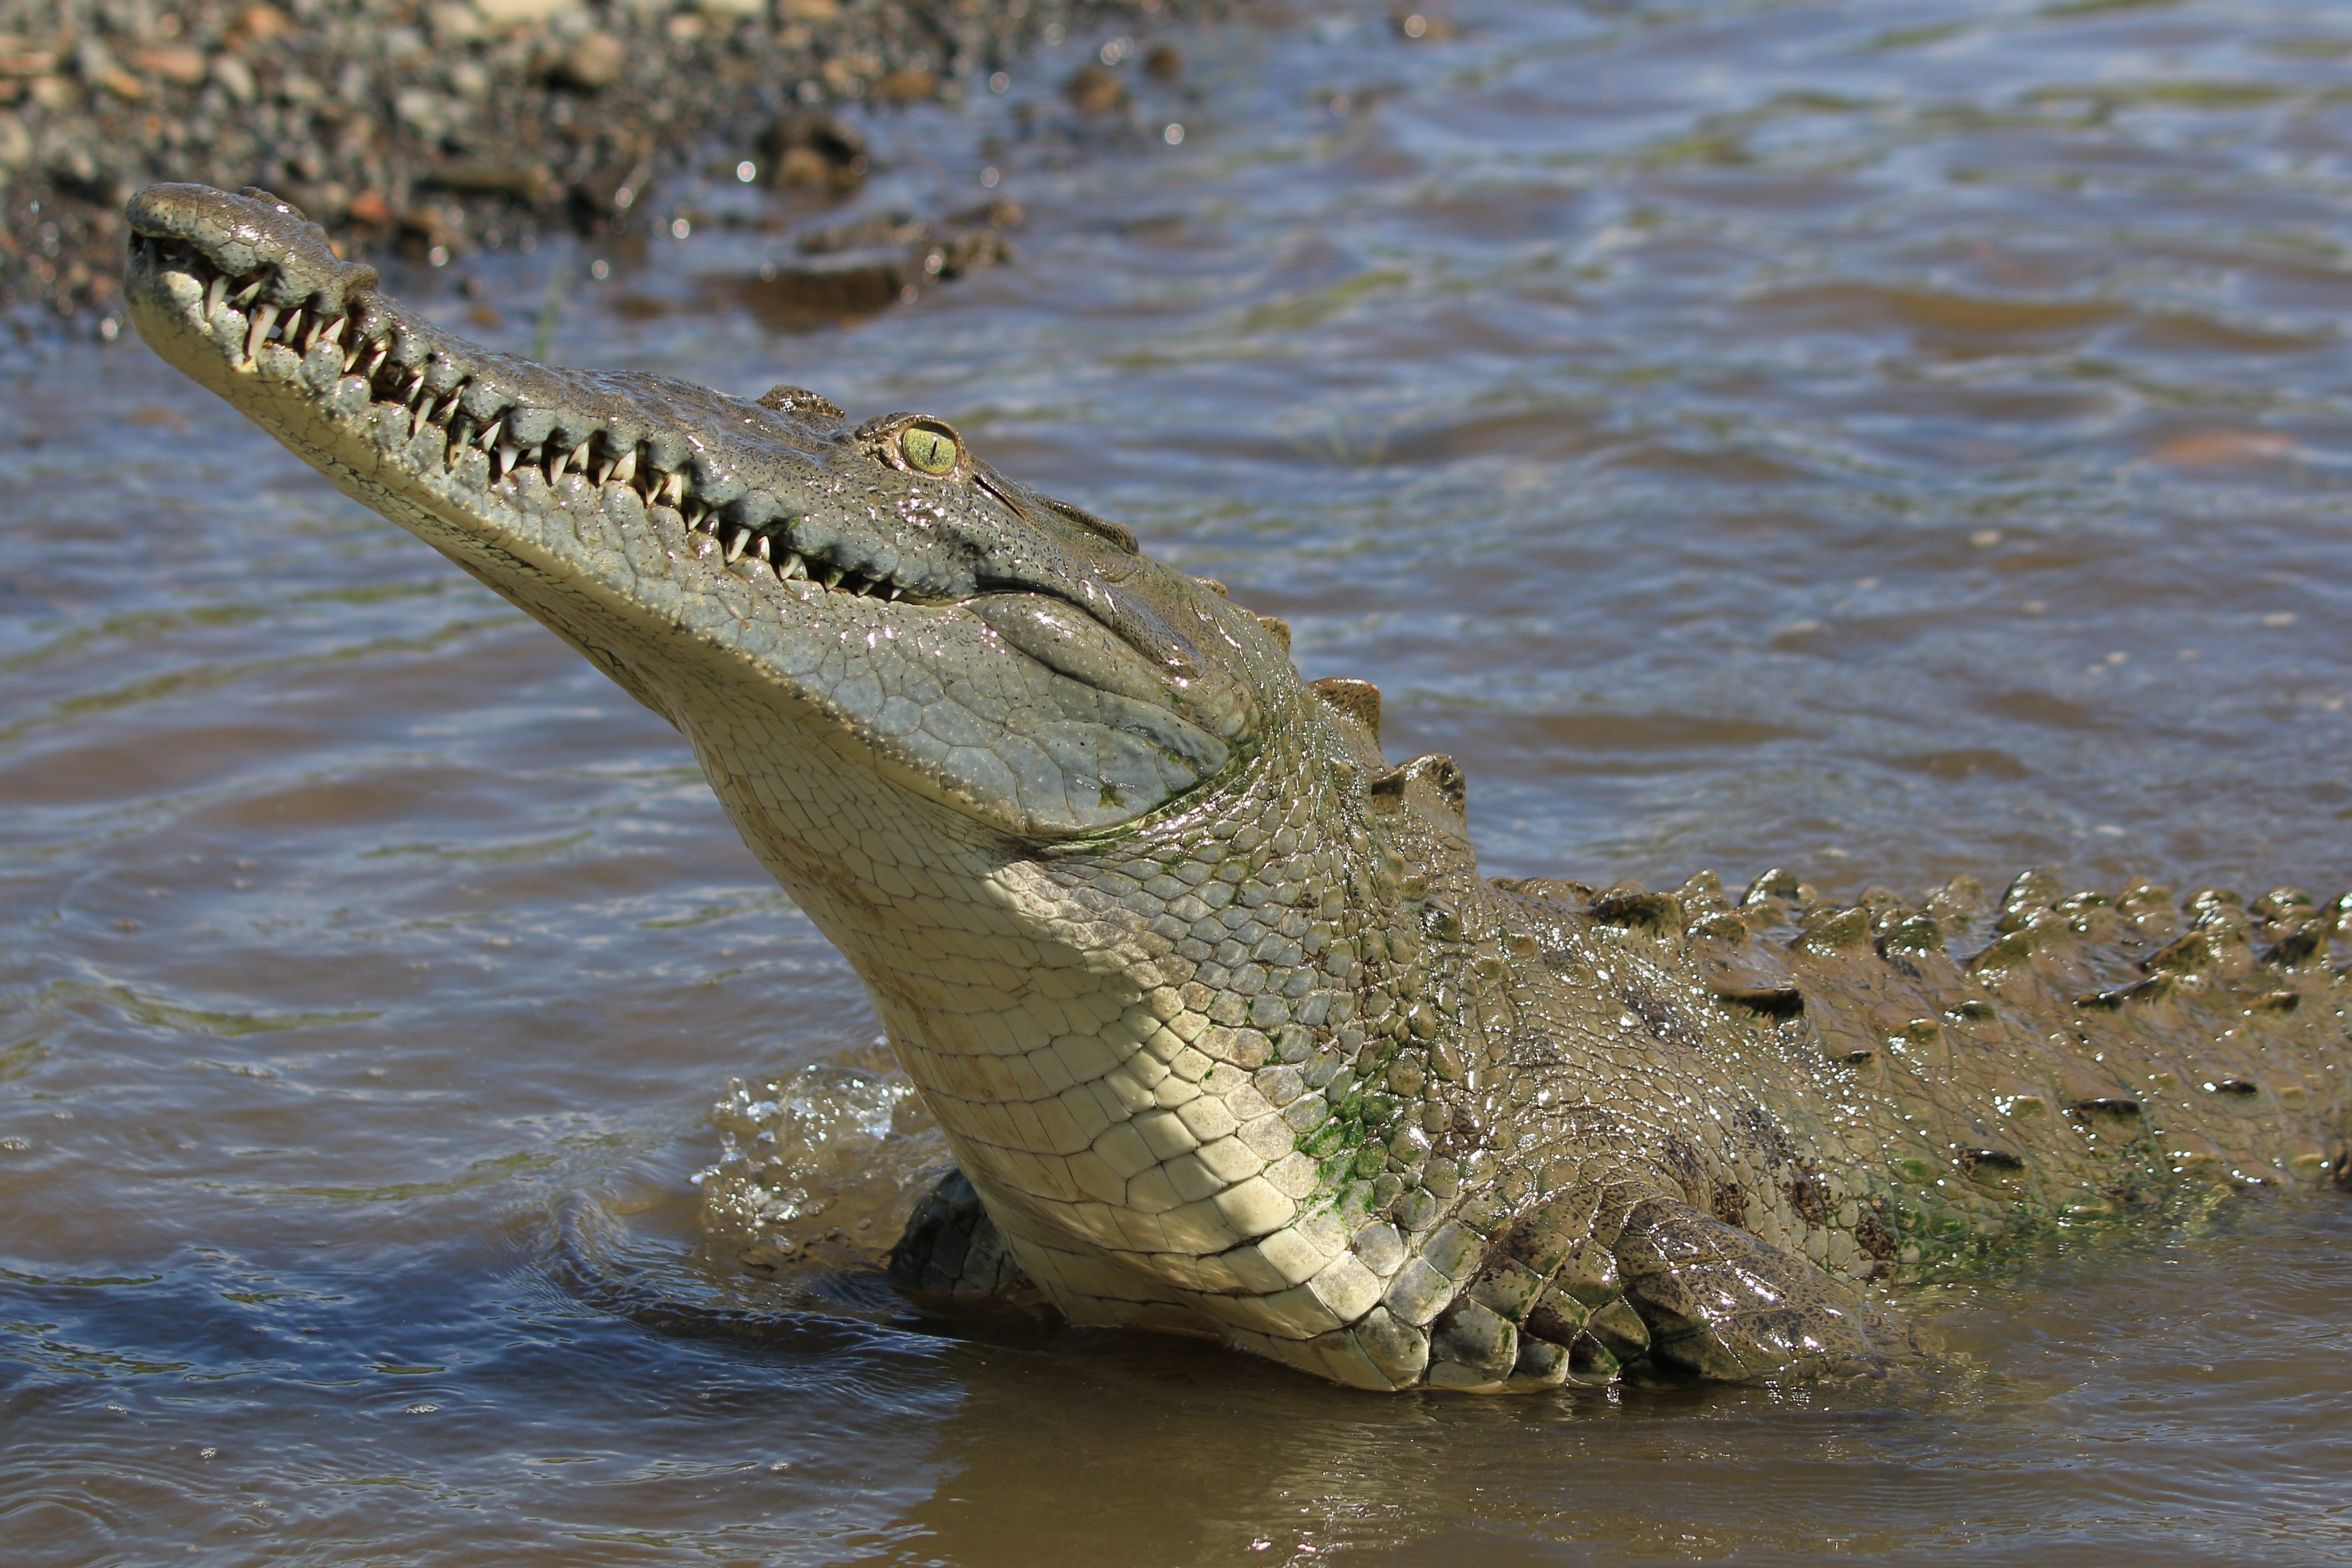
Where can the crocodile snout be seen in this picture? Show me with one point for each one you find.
(244, 238)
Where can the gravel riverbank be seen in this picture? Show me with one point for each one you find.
(458, 124)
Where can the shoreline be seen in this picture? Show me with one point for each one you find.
(451, 126)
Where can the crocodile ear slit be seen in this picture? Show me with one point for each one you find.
(988, 478)
(1122, 537)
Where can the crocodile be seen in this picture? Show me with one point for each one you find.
(1227, 1034)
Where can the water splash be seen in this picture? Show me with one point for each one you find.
(819, 1168)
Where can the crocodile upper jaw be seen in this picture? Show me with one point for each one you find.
(975, 644)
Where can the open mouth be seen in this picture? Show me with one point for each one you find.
(493, 439)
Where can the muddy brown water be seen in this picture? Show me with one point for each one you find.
(1883, 439)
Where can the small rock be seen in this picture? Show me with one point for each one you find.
(531, 183)
(2199, 448)
(521, 13)
(15, 142)
(235, 77)
(813, 152)
(906, 85)
(1001, 213)
(100, 68)
(173, 62)
(455, 22)
(1095, 88)
(605, 198)
(325, 201)
(594, 63)
(1165, 62)
(883, 228)
(966, 253)
(792, 297)
(425, 112)
(258, 24)
(848, 74)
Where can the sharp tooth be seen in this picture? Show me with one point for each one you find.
(626, 469)
(759, 547)
(895, 592)
(673, 489)
(214, 292)
(488, 438)
(793, 566)
(248, 295)
(555, 466)
(502, 460)
(832, 577)
(605, 473)
(741, 536)
(263, 315)
(580, 456)
(331, 330)
(382, 350)
(294, 329)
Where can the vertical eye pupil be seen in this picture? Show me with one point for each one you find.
(931, 451)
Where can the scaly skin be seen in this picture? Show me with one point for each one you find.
(1227, 1032)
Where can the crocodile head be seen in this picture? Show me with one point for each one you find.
(1071, 815)
(919, 620)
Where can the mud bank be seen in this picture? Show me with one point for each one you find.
(451, 125)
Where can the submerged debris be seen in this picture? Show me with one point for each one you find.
(814, 152)
(872, 263)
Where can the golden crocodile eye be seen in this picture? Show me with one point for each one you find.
(928, 448)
